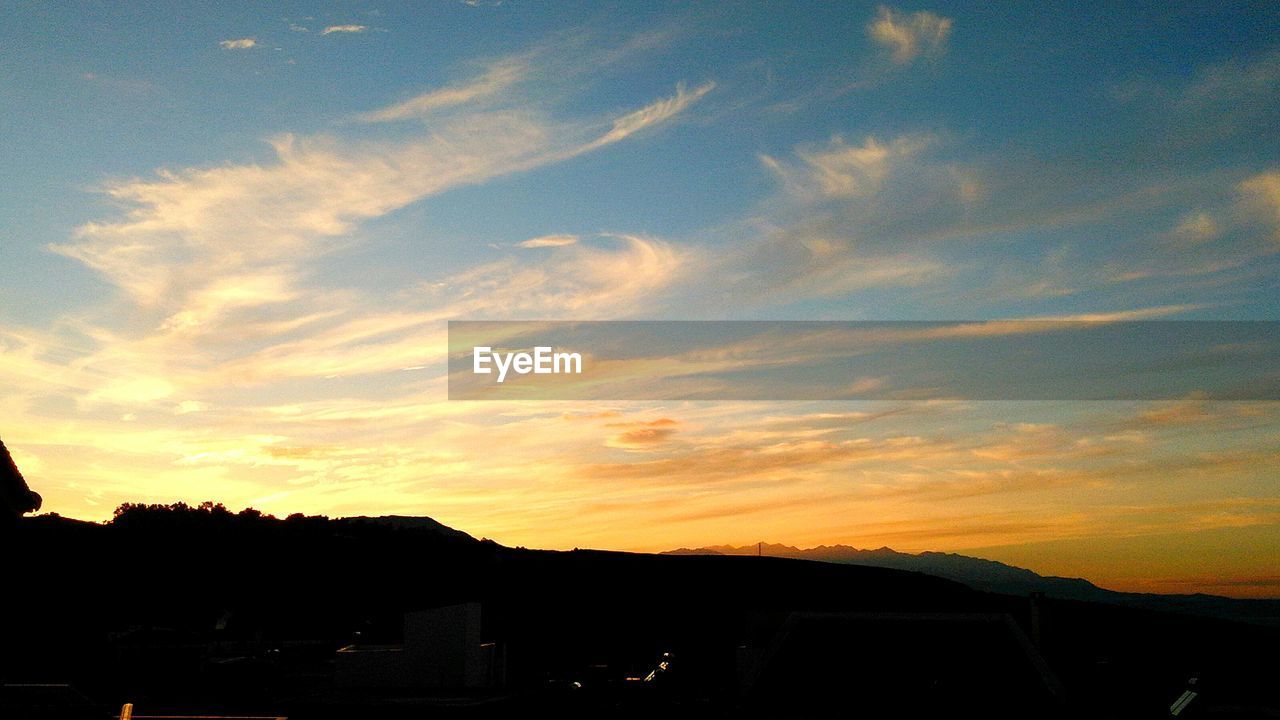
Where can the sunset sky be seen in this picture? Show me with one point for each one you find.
(231, 237)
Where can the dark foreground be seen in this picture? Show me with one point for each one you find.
(184, 611)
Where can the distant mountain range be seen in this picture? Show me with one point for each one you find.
(997, 577)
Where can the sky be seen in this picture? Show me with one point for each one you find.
(231, 237)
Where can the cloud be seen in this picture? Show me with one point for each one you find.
(1227, 237)
(344, 29)
(857, 218)
(1193, 410)
(839, 170)
(1219, 106)
(500, 77)
(239, 44)
(1233, 81)
(641, 438)
(190, 406)
(562, 65)
(213, 263)
(189, 227)
(1197, 228)
(582, 282)
(1260, 198)
(863, 385)
(660, 422)
(909, 36)
(546, 241)
(849, 218)
(599, 282)
(650, 115)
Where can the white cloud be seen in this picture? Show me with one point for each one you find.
(1224, 238)
(597, 282)
(1260, 197)
(1234, 81)
(499, 77)
(239, 44)
(832, 231)
(190, 406)
(581, 282)
(190, 226)
(344, 29)
(839, 170)
(909, 36)
(193, 225)
(215, 264)
(1197, 228)
(546, 241)
(651, 115)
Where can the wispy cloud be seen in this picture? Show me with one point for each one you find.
(1260, 196)
(215, 260)
(545, 241)
(500, 77)
(344, 29)
(1225, 85)
(644, 434)
(650, 115)
(847, 219)
(239, 44)
(909, 36)
(840, 170)
(617, 280)
(1221, 236)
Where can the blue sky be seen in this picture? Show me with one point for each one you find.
(1072, 107)
(227, 230)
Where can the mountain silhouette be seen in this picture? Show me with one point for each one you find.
(998, 577)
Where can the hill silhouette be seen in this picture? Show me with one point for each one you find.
(998, 577)
(197, 607)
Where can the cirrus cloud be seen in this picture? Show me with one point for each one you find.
(545, 241)
(908, 36)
